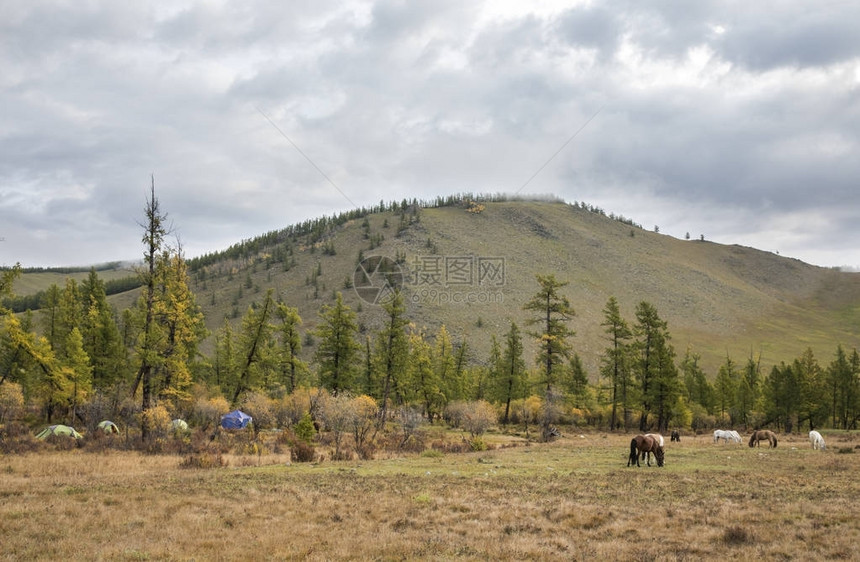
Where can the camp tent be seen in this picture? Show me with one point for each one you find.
(60, 431)
(236, 419)
(179, 426)
(108, 427)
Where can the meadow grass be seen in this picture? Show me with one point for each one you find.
(570, 499)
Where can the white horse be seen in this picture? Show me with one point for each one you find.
(736, 437)
(817, 440)
(723, 434)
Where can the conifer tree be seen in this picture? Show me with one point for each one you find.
(101, 337)
(747, 392)
(444, 367)
(293, 369)
(552, 311)
(813, 403)
(424, 380)
(337, 352)
(169, 324)
(254, 343)
(615, 362)
(77, 371)
(659, 381)
(390, 353)
(509, 372)
(782, 396)
(699, 389)
(224, 368)
(725, 387)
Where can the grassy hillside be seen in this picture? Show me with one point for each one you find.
(717, 299)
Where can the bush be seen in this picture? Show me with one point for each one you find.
(207, 412)
(300, 451)
(210, 458)
(478, 417)
(157, 421)
(17, 438)
(261, 408)
(11, 401)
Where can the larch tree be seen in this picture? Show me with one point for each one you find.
(391, 353)
(725, 386)
(510, 378)
(255, 342)
(654, 366)
(615, 362)
(552, 311)
(293, 369)
(101, 338)
(148, 336)
(337, 353)
(444, 367)
(168, 322)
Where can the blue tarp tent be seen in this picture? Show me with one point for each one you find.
(236, 419)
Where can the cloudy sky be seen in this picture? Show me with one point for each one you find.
(739, 121)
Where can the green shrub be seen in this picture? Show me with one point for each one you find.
(305, 430)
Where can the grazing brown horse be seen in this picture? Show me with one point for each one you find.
(763, 435)
(644, 444)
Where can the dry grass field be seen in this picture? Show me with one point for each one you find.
(573, 499)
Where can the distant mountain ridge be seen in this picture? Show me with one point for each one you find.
(470, 264)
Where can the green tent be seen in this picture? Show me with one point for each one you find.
(179, 426)
(108, 427)
(58, 430)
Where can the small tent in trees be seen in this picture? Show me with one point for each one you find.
(59, 431)
(236, 419)
(108, 427)
(179, 426)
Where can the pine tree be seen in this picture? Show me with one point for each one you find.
(77, 370)
(659, 381)
(101, 337)
(699, 389)
(293, 369)
(224, 369)
(337, 352)
(146, 352)
(424, 380)
(254, 343)
(391, 353)
(169, 324)
(552, 311)
(748, 391)
(813, 404)
(725, 387)
(509, 371)
(615, 362)
(444, 367)
(782, 396)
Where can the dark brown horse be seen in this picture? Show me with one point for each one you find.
(763, 435)
(644, 444)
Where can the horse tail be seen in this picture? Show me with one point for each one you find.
(634, 453)
(774, 441)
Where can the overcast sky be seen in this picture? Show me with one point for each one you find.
(739, 121)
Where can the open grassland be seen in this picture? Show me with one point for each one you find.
(568, 500)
